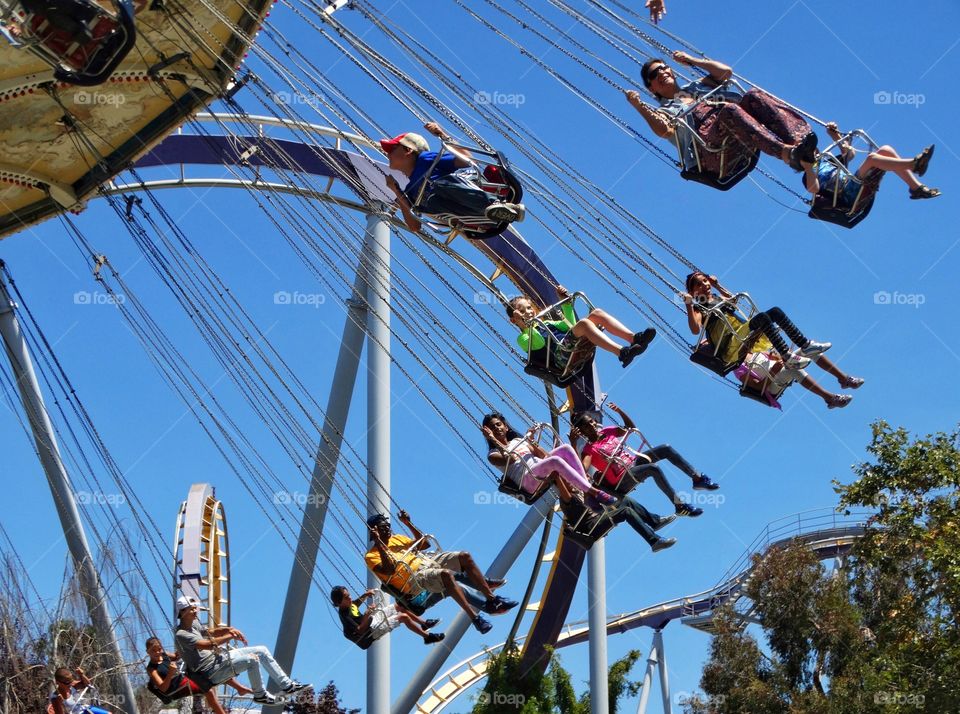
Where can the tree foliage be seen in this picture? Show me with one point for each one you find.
(510, 688)
(878, 635)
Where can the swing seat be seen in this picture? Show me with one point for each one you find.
(707, 356)
(496, 178)
(726, 180)
(755, 394)
(78, 38)
(567, 365)
(823, 210)
(508, 487)
(586, 537)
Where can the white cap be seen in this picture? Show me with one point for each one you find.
(183, 602)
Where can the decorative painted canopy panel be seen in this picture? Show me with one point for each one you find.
(59, 141)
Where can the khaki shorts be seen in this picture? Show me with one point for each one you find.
(430, 576)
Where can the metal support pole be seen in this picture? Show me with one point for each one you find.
(597, 614)
(662, 664)
(498, 569)
(648, 676)
(377, 269)
(321, 483)
(48, 451)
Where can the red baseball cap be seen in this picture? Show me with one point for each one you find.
(408, 140)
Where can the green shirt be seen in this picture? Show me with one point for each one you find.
(531, 340)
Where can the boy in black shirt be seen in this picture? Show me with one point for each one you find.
(363, 630)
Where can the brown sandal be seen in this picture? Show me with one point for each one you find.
(922, 160)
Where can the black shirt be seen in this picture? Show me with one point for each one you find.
(163, 668)
(351, 618)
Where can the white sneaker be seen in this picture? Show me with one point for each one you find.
(797, 361)
(505, 212)
(812, 349)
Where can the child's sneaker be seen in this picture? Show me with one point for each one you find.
(797, 361)
(505, 212)
(482, 624)
(812, 349)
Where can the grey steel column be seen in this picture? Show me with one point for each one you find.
(648, 675)
(664, 678)
(90, 587)
(498, 569)
(321, 483)
(597, 609)
(377, 269)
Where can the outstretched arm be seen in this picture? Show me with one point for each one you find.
(658, 123)
(627, 421)
(718, 71)
(463, 157)
(404, 518)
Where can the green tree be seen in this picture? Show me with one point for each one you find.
(878, 635)
(510, 689)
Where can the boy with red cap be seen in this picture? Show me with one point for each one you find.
(437, 186)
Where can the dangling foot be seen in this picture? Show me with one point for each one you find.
(922, 160)
(814, 349)
(685, 509)
(430, 624)
(495, 583)
(849, 382)
(603, 497)
(797, 361)
(505, 212)
(922, 191)
(839, 401)
(643, 339)
(433, 637)
(703, 483)
(804, 152)
(663, 544)
(664, 521)
(482, 624)
(629, 353)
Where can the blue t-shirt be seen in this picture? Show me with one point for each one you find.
(446, 165)
(681, 102)
(828, 174)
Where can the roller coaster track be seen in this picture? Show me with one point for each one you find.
(826, 534)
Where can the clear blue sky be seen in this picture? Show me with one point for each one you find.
(832, 58)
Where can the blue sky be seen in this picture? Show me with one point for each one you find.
(831, 58)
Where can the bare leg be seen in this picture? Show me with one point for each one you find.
(213, 702)
(886, 159)
(589, 331)
(469, 567)
(408, 621)
(607, 321)
(453, 590)
(235, 683)
(832, 368)
(809, 384)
